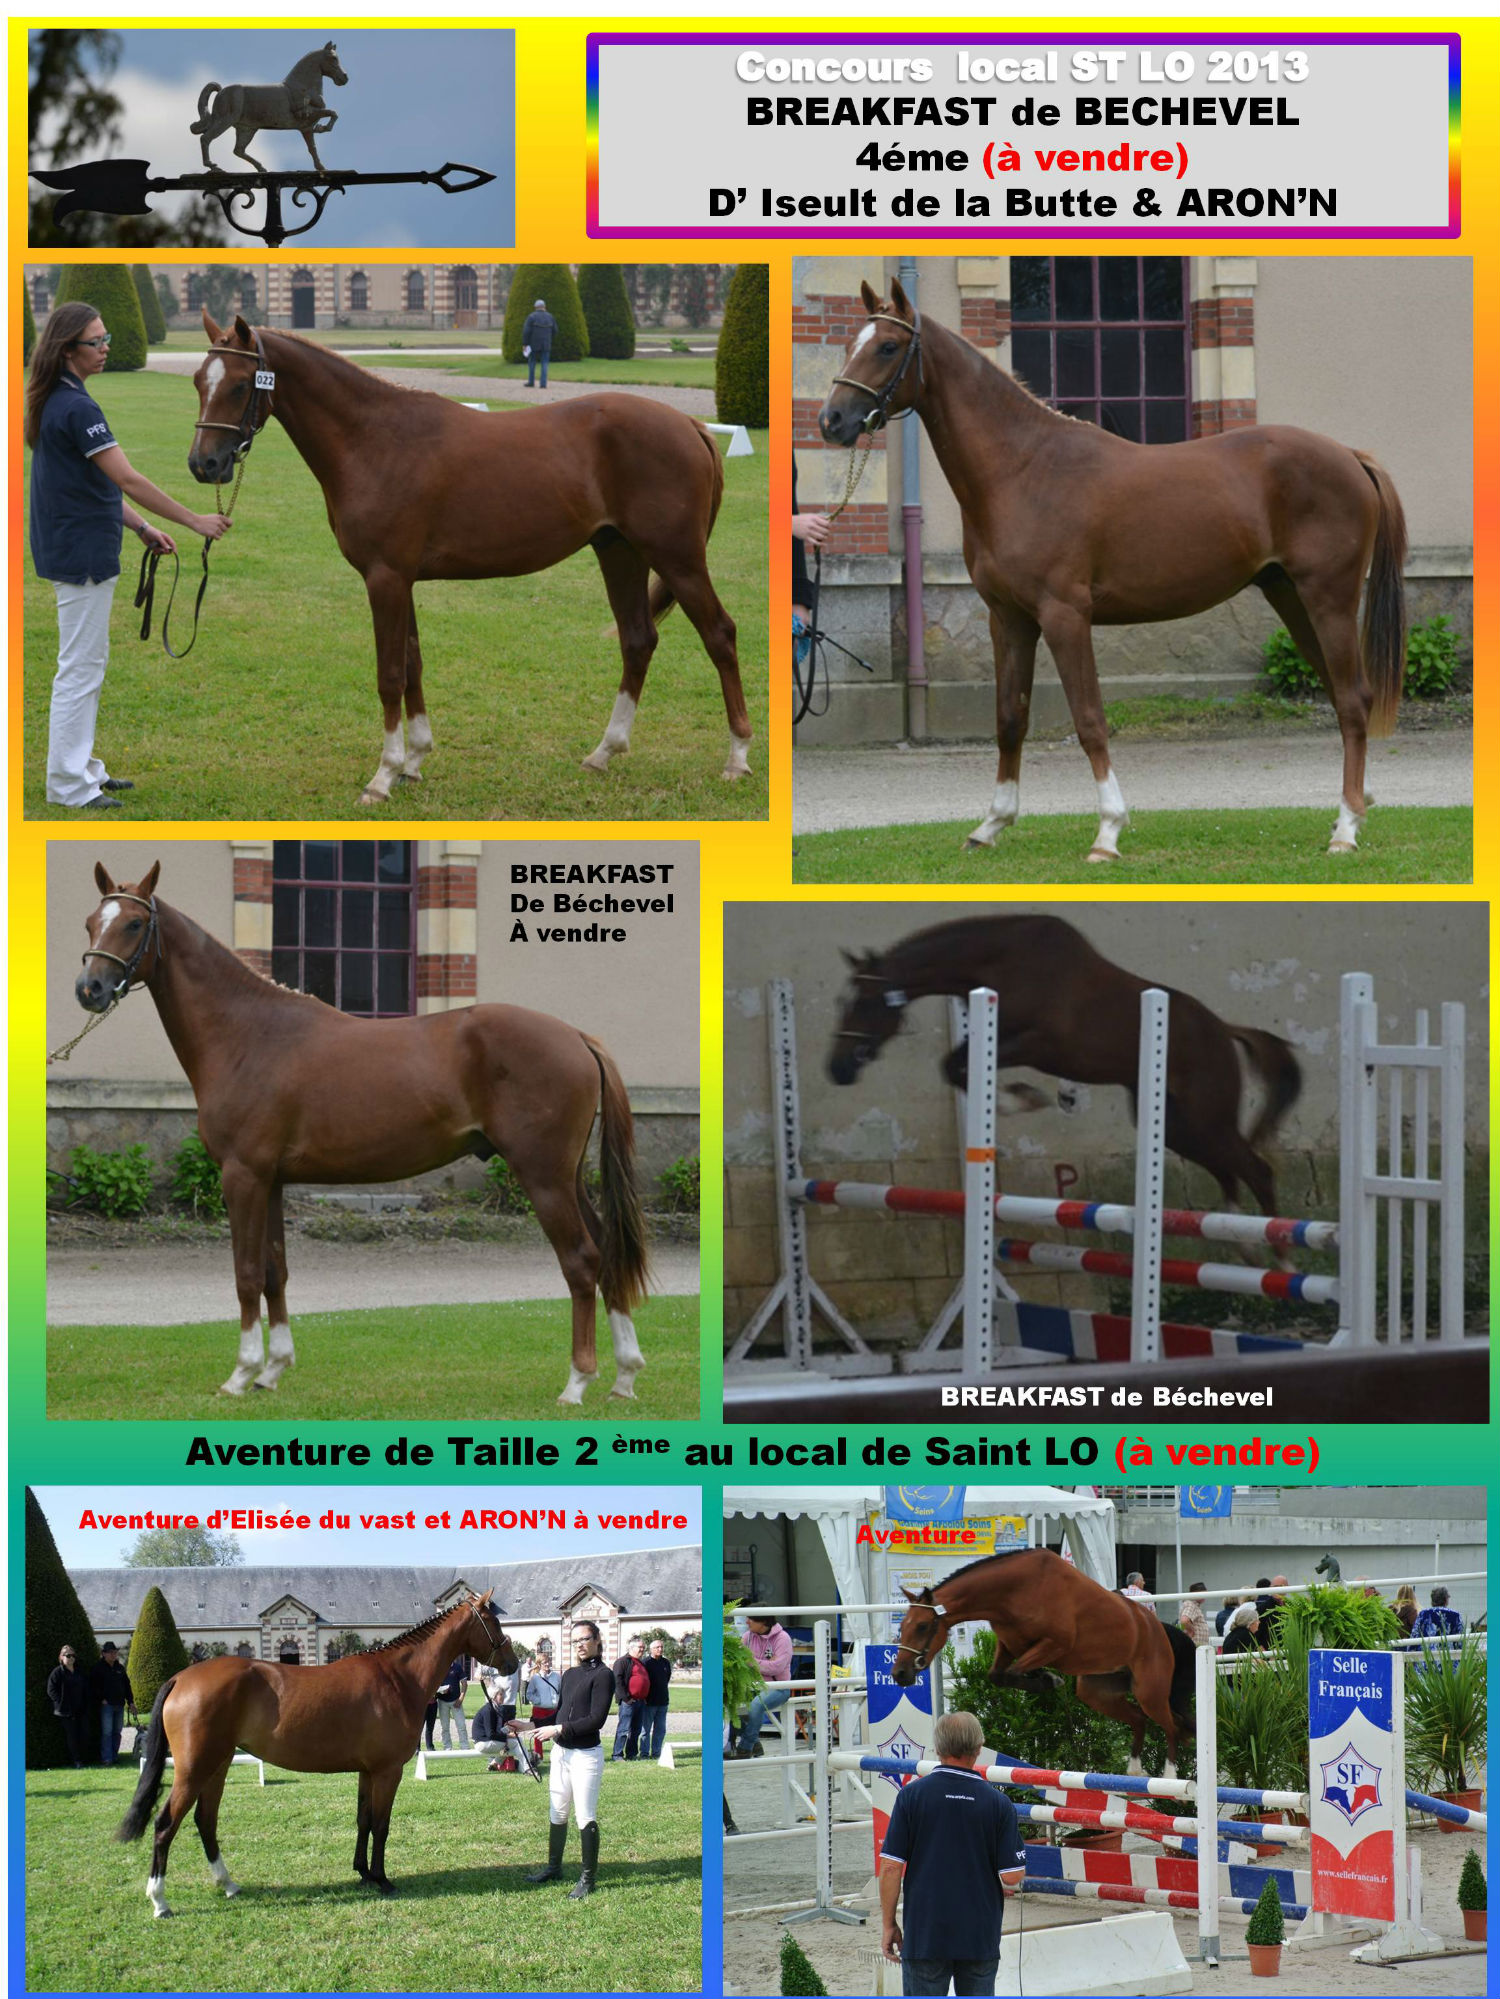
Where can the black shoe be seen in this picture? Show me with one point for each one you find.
(100, 803)
(557, 1839)
(584, 1886)
(119, 784)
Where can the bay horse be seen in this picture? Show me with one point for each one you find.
(363, 1713)
(293, 105)
(1066, 526)
(291, 1090)
(419, 487)
(1048, 1617)
(1069, 1012)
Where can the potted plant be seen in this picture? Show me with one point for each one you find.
(1262, 1732)
(1473, 1898)
(1265, 1933)
(1447, 1720)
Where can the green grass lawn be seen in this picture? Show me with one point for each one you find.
(275, 716)
(658, 371)
(440, 1363)
(461, 1920)
(1416, 844)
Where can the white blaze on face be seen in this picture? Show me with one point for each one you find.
(212, 381)
(863, 338)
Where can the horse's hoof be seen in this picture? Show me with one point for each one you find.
(159, 1913)
(598, 763)
(371, 798)
(1099, 855)
(408, 777)
(732, 773)
(386, 1888)
(231, 1889)
(619, 1394)
(234, 1385)
(1342, 847)
(974, 841)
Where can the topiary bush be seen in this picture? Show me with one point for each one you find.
(1267, 1924)
(1472, 1892)
(797, 1975)
(156, 1649)
(110, 290)
(196, 1183)
(555, 284)
(606, 311)
(114, 1183)
(742, 368)
(151, 313)
(54, 1618)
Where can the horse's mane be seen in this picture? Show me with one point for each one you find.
(339, 363)
(984, 1562)
(404, 1638)
(987, 366)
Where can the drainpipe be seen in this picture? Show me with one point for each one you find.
(911, 530)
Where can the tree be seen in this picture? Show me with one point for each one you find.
(606, 311)
(151, 312)
(54, 1618)
(742, 371)
(668, 1642)
(655, 282)
(110, 290)
(554, 283)
(183, 1548)
(156, 1649)
(345, 1646)
(167, 297)
(690, 1651)
(692, 294)
(28, 324)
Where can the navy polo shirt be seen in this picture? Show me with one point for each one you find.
(957, 1834)
(77, 514)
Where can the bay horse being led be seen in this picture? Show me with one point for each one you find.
(1048, 1617)
(359, 1713)
(418, 488)
(1070, 1012)
(291, 1090)
(1066, 526)
(293, 105)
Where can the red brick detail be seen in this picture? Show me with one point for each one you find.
(452, 885)
(1211, 419)
(258, 961)
(1223, 322)
(984, 321)
(252, 880)
(827, 321)
(447, 976)
(862, 530)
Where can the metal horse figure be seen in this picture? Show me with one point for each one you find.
(1066, 527)
(361, 1713)
(1068, 1011)
(293, 105)
(290, 1090)
(1049, 1618)
(419, 487)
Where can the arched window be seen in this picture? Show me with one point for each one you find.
(1106, 339)
(195, 291)
(465, 288)
(359, 292)
(416, 291)
(41, 295)
(249, 293)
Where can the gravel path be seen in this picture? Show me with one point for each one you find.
(491, 388)
(834, 790)
(167, 1284)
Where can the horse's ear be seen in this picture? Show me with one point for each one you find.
(146, 886)
(850, 958)
(899, 299)
(871, 298)
(102, 879)
(215, 333)
(329, 49)
(242, 331)
(910, 1597)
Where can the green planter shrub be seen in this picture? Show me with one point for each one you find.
(797, 1974)
(1267, 1925)
(742, 369)
(1447, 1715)
(54, 1618)
(196, 1184)
(152, 316)
(28, 325)
(554, 283)
(114, 1183)
(110, 290)
(606, 311)
(1472, 1892)
(156, 1649)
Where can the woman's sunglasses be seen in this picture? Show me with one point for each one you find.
(103, 341)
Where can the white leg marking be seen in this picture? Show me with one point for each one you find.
(252, 1358)
(418, 743)
(283, 1356)
(158, 1897)
(1346, 829)
(1113, 817)
(615, 741)
(577, 1383)
(739, 758)
(1133, 1767)
(392, 757)
(1005, 809)
(221, 1874)
(628, 1357)
(1171, 1771)
(1015, 1099)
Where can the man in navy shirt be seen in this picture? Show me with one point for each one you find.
(536, 341)
(954, 1846)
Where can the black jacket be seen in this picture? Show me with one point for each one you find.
(661, 1675)
(67, 1690)
(583, 1704)
(110, 1684)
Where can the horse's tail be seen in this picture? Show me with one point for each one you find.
(662, 598)
(1383, 634)
(204, 94)
(1184, 1671)
(621, 1235)
(1279, 1070)
(143, 1804)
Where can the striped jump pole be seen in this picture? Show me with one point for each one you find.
(1235, 1278)
(1439, 1808)
(1153, 1898)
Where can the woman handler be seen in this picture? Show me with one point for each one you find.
(81, 487)
(583, 1702)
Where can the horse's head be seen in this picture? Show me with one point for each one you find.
(327, 59)
(882, 372)
(231, 406)
(502, 1653)
(920, 1639)
(124, 940)
(870, 1014)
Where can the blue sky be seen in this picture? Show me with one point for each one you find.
(64, 1506)
(414, 99)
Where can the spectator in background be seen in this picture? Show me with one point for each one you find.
(1438, 1621)
(111, 1689)
(542, 1687)
(632, 1691)
(1270, 1607)
(659, 1671)
(68, 1692)
(771, 1646)
(1135, 1588)
(1192, 1620)
(536, 341)
(450, 1704)
(1222, 1617)
(1405, 1607)
(1243, 1634)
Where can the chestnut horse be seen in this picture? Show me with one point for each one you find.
(418, 487)
(1069, 1012)
(1049, 1617)
(1066, 526)
(291, 1090)
(361, 1713)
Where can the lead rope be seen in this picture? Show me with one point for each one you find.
(95, 1020)
(145, 589)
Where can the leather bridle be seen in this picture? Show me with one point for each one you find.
(255, 415)
(879, 416)
(923, 1655)
(476, 1611)
(131, 965)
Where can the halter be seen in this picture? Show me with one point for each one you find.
(131, 964)
(893, 996)
(878, 417)
(476, 1612)
(938, 1614)
(255, 418)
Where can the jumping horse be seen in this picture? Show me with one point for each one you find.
(1066, 526)
(1048, 1618)
(1070, 1013)
(291, 1090)
(418, 487)
(359, 1713)
(293, 105)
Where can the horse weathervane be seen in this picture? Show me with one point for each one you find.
(296, 104)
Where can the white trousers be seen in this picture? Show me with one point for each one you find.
(74, 773)
(575, 1782)
(452, 1712)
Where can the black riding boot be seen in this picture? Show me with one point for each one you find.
(584, 1886)
(557, 1839)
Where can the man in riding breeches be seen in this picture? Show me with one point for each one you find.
(583, 1705)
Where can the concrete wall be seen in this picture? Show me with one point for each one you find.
(1268, 965)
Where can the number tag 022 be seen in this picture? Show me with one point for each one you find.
(265, 378)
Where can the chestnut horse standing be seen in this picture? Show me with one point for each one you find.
(418, 487)
(1069, 1012)
(1049, 1617)
(290, 1090)
(361, 1713)
(1066, 527)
